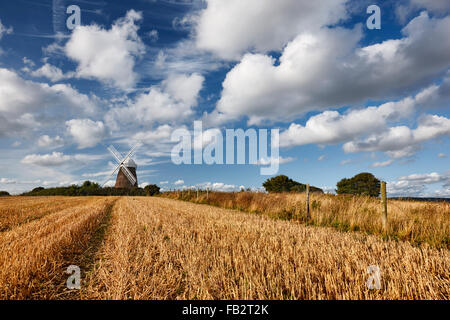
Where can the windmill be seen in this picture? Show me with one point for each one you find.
(126, 178)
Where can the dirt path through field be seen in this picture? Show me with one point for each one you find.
(159, 248)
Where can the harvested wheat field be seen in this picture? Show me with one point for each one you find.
(412, 221)
(157, 248)
(162, 249)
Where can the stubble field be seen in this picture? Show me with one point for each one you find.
(157, 248)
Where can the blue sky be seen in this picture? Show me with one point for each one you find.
(345, 98)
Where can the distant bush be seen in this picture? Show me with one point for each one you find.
(283, 183)
(89, 188)
(4, 194)
(364, 184)
(152, 190)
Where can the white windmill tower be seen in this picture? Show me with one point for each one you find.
(127, 176)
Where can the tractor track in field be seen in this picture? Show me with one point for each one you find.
(84, 257)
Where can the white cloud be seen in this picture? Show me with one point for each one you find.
(164, 182)
(436, 6)
(143, 185)
(345, 162)
(171, 101)
(181, 58)
(332, 127)
(161, 134)
(327, 69)
(47, 160)
(404, 9)
(415, 184)
(444, 193)
(108, 55)
(218, 186)
(47, 142)
(229, 28)
(153, 35)
(280, 160)
(401, 141)
(110, 183)
(442, 155)
(86, 132)
(7, 181)
(4, 30)
(28, 62)
(179, 182)
(96, 174)
(26, 105)
(51, 72)
(321, 158)
(382, 164)
(56, 159)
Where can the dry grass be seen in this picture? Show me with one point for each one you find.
(33, 254)
(15, 211)
(164, 249)
(416, 222)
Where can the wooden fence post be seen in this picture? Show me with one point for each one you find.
(308, 216)
(197, 194)
(207, 193)
(384, 205)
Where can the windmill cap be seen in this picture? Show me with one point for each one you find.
(129, 163)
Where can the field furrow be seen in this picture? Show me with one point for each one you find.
(165, 249)
(33, 255)
(19, 210)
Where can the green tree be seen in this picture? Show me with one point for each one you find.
(152, 190)
(283, 183)
(362, 184)
(4, 194)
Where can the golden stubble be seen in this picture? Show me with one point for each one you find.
(164, 249)
(32, 255)
(416, 222)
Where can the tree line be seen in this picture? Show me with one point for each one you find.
(89, 188)
(362, 184)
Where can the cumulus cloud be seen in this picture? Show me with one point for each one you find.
(401, 141)
(327, 69)
(415, 184)
(405, 8)
(47, 142)
(161, 134)
(261, 26)
(56, 159)
(171, 101)
(51, 72)
(108, 55)
(179, 182)
(26, 105)
(85, 132)
(47, 160)
(332, 127)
